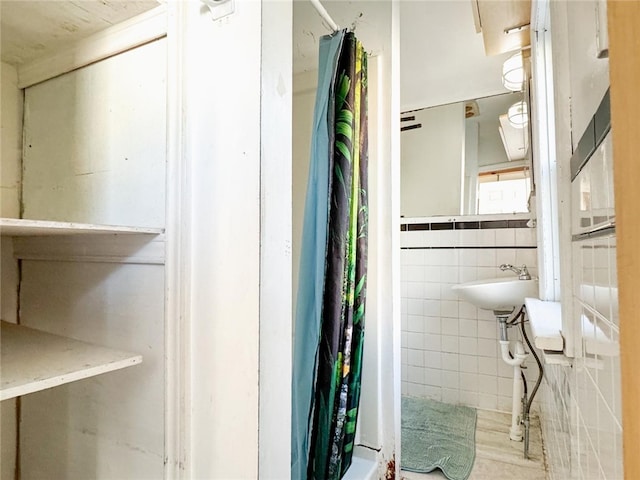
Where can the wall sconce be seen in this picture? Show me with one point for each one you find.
(518, 114)
(513, 73)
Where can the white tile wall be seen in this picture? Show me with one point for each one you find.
(580, 411)
(449, 347)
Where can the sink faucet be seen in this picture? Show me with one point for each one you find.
(523, 273)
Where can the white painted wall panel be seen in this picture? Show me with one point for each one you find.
(95, 142)
(11, 144)
(10, 161)
(222, 143)
(432, 162)
(110, 426)
(275, 248)
(8, 427)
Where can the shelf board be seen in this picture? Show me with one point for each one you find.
(23, 227)
(32, 360)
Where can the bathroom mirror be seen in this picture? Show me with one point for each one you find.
(466, 158)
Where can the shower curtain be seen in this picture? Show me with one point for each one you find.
(329, 329)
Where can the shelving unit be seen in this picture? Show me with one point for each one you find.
(83, 273)
(27, 364)
(24, 227)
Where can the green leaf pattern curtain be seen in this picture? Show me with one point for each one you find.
(336, 387)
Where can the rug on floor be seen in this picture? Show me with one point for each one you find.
(438, 435)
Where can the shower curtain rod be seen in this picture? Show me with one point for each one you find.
(325, 15)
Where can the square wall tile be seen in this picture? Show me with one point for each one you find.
(415, 374)
(446, 292)
(468, 257)
(506, 237)
(415, 323)
(488, 366)
(432, 325)
(431, 291)
(451, 362)
(432, 342)
(415, 389)
(487, 237)
(450, 395)
(526, 237)
(450, 379)
(433, 360)
(469, 382)
(488, 384)
(449, 308)
(412, 257)
(450, 344)
(434, 393)
(468, 398)
(468, 328)
(526, 256)
(488, 329)
(487, 402)
(467, 310)
(468, 274)
(416, 358)
(468, 363)
(412, 273)
(415, 290)
(415, 340)
(469, 238)
(431, 308)
(468, 346)
(450, 274)
(433, 376)
(487, 257)
(449, 326)
(431, 273)
(487, 347)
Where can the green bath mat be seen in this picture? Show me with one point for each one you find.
(438, 435)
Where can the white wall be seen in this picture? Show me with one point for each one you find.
(11, 142)
(234, 149)
(10, 174)
(432, 162)
(470, 168)
(105, 150)
(221, 146)
(275, 248)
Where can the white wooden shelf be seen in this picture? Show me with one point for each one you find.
(25, 227)
(32, 360)
(545, 319)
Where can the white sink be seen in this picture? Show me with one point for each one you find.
(499, 294)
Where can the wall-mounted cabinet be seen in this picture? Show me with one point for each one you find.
(84, 161)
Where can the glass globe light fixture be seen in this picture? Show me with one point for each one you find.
(513, 73)
(518, 114)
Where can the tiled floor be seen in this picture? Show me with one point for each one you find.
(496, 455)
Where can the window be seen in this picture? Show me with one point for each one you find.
(504, 191)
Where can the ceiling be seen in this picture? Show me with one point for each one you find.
(33, 28)
(370, 19)
(442, 58)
